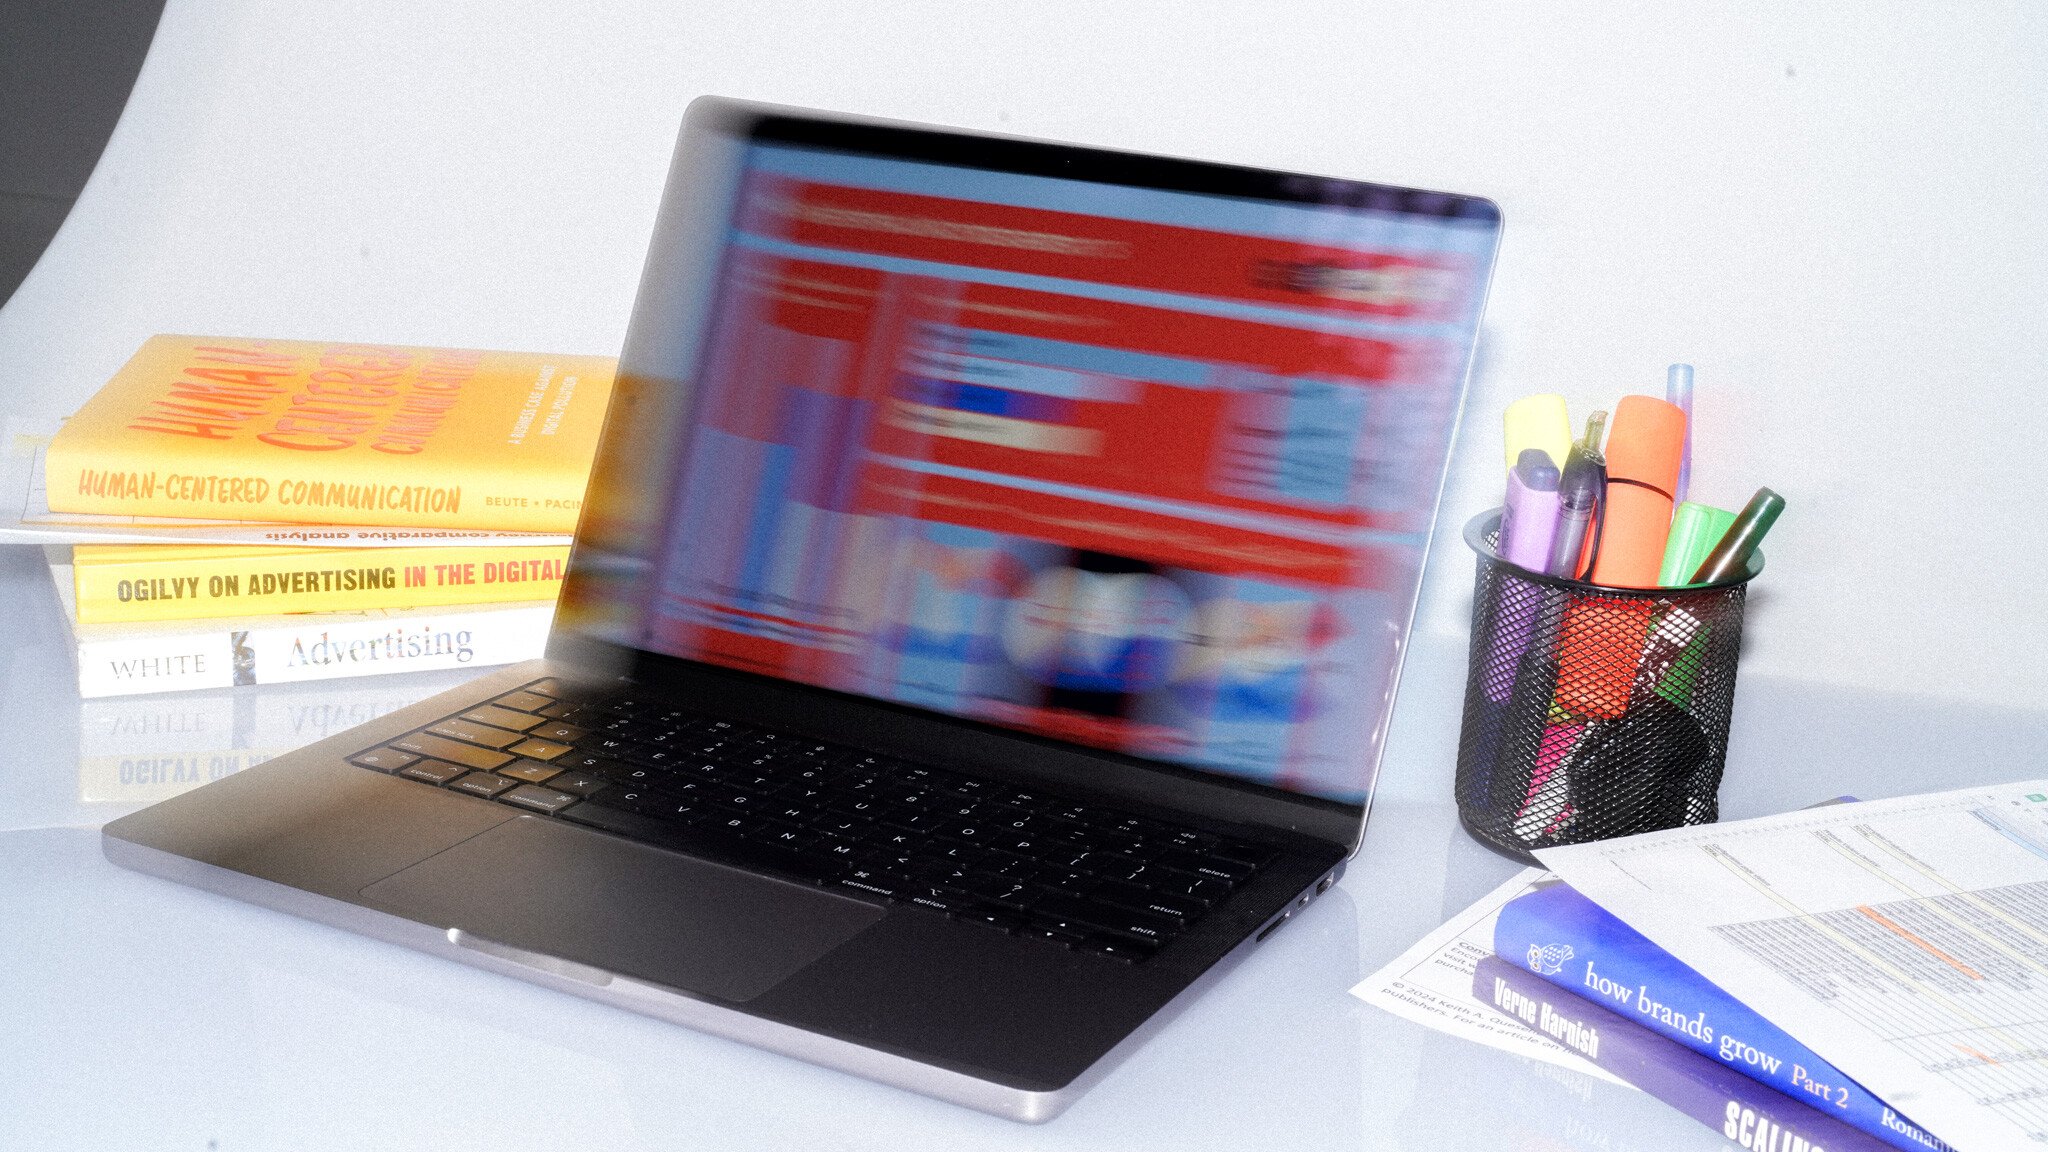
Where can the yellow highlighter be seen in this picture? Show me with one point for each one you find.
(1539, 422)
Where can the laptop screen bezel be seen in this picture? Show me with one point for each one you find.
(711, 127)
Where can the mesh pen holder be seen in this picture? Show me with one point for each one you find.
(1592, 712)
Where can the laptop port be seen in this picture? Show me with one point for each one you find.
(1269, 929)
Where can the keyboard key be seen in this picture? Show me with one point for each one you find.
(470, 733)
(936, 903)
(549, 687)
(966, 831)
(1002, 892)
(540, 749)
(580, 783)
(1107, 918)
(1250, 855)
(498, 717)
(1116, 948)
(935, 890)
(1078, 883)
(538, 799)
(1228, 871)
(1001, 919)
(433, 771)
(524, 701)
(1053, 934)
(482, 784)
(798, 838)
(873, 887)
(1116, 866)
(581, 761)
(626, 799)
(442, 748)
(1146, 900)
(630, 776)
(530, 771)
(564, 733)
(1200, 889)
(383, 759)
(633, 824)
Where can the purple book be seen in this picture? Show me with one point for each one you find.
(1747, 1113)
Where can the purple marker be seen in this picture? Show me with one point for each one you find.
(1528, 522)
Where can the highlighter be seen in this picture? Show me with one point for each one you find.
(1731, 556)
(1528, 521)
(1538, 422)
(1644, 447)
(1596, 658)
(1695, 529)
(1544, 803)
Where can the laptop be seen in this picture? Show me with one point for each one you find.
(983, 622)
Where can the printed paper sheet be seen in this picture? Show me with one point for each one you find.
(1431, 984)
(1905, 941)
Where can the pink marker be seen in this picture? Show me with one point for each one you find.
(1546, 782)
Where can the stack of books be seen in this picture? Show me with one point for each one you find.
(1567, 968)
(287, 510)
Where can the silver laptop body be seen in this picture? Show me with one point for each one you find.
(983, 623)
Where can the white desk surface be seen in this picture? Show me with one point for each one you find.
(143, 1015)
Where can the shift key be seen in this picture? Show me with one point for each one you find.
(1109, 918)
(442, 748)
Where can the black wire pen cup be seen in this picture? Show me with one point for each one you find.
(1592, 712)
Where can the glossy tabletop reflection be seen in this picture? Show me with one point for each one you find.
(144, 1015)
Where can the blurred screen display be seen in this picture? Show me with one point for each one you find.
(1146, 470)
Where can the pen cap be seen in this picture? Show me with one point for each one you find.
(1538, 422)
(1732, 554)
(1695, 529)
(1646, 442)
(1529, 518)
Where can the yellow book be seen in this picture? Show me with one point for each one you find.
(117, 583)
(231, 429)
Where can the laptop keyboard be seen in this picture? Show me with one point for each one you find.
(1028, 863)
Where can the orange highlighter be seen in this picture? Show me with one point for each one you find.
(1645, 444)
(1603, 639)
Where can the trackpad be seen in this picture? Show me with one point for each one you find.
(635, 911)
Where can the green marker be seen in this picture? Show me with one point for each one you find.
(1695, 529)
(1731, 556)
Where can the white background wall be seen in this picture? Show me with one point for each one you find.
(1835, 211)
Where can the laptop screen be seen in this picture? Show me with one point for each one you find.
(1146, 468)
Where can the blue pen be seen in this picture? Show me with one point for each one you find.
(1678, 390)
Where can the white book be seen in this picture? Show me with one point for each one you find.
(181, 655)
(141, 749)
